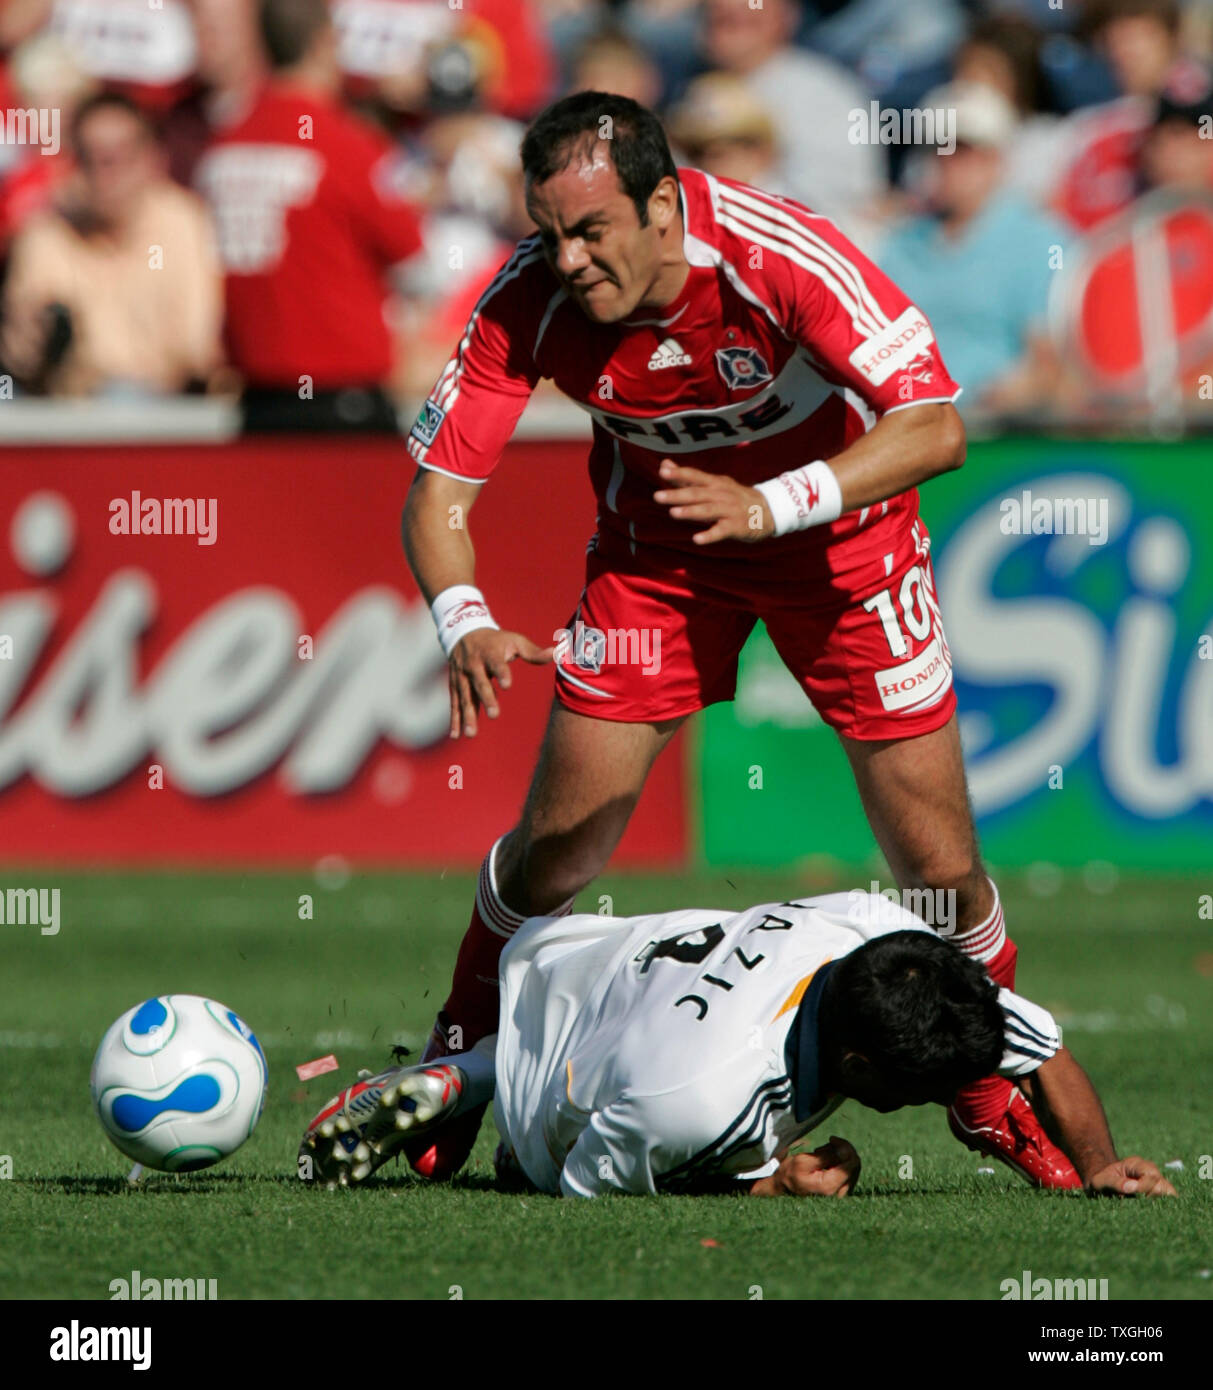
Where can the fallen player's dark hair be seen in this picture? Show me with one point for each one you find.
(921, 1013)
(571, 127)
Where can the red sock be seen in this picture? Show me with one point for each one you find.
(982, 1102)
(473, 1002)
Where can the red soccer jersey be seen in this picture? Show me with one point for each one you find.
(785, 345)
(309, 220)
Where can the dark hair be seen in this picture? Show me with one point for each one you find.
(110, 101)
(1195, 113)
(921, 1013)
(1019, 42)
(1096, 15)
(607, 35)
(289, 28)
(571, 126)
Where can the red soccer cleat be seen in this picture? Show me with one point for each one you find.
(1017, 1139)
(440, 1156)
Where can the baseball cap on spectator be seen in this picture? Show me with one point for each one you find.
(716, 107)
(981, 117)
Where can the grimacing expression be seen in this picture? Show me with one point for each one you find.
(592, 236)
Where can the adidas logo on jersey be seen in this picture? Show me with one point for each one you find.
(669, 354)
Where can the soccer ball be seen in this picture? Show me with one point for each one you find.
(179, 1082)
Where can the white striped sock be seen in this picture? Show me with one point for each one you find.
(986, 939)
(500, 919)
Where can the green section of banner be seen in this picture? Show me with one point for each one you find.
(776, 784)
(1083, 657)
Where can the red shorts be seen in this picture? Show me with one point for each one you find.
(868, 648)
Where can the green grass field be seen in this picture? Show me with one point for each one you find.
(1130, 975)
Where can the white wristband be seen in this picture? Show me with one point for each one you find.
(457, 611)
(803, 497)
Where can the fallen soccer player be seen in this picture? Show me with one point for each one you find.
(692, 1050)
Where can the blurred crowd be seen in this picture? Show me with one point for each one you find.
(301, 200)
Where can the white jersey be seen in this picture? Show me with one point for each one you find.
(647, 1054)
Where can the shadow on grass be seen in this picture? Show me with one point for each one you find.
(168, 1184)
(937, 1187)
(162, 1184)
(78, 1185)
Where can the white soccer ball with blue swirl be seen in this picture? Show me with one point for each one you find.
(179, 1082)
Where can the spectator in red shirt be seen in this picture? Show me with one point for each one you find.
(310, 222)
(231, 71)
(1143, 43)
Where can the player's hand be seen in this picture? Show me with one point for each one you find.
(735, 512)
(1130, 1177)
(829, 1171)
(479, 659)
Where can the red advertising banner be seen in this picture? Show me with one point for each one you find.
(264, 685)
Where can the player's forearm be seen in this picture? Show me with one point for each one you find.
(1070, 1110)
(437, 542)
(902, 450)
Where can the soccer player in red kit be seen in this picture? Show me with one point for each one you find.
(765, 403)
(310, 222)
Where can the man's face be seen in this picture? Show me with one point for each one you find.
(1176, 156)
(118, 159)
(739, 36)
(1141, 50)
(228, 40)
(964, 180)
(746, 160)
(592, 236)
